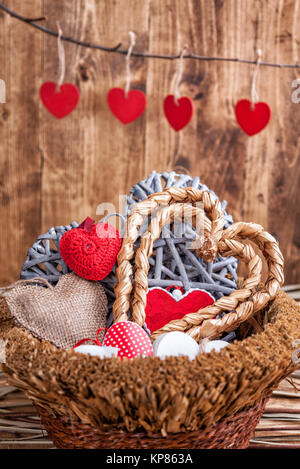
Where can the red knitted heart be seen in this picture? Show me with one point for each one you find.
(126, 109)
(180, 114)
(91, 253)
(59, 102)
(129, 338)
(162, 307)
(252, 119)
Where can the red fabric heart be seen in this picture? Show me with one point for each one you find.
(59, 102)
(129, 338)
(91, 254)
(126, 109)
(162, 308)
(252, 119)
(178, 115)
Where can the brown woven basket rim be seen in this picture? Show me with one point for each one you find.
(229, 432)
(214, 385)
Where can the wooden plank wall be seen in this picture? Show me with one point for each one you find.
(54, 171)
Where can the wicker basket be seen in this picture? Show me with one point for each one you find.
(214, 401)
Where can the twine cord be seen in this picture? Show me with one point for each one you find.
(254, 94)
(61, 57)
(132, 37)
(179, 76)
(117, 48)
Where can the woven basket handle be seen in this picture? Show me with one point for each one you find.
(139, 212)
(238, 249)
(242, 303)
(270, 251)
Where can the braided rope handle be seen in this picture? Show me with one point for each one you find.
(139, 212)
(237, 249)
(242, 303)
(273, 256)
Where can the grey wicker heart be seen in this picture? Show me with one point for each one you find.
(171, 263)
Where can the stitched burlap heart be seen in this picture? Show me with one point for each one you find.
(72, 310)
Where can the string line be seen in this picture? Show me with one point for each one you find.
(117, 49)
(128, 76)
(254, 94)
(179, 75)
(61, 57)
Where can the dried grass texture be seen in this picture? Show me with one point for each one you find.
(6, 319)
(172, 395)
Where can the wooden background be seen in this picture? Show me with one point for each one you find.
(55, 171)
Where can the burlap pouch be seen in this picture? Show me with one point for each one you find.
(72, 310)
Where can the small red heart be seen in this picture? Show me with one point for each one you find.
(162, 307)
(60, 102)
(178, 115)
(129, 338)
(91, 254)
(252, 119)
(126, 109)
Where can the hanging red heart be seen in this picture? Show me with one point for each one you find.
(162, 307)
(129, 338)
(91, 253)
(180, 114)
(126, 109)
(60, 102)
(252, 118)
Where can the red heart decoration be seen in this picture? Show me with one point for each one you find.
(126, 109)
(59, 102)
(178, 115)
(129, 338)
(252, 119)
(91, 254)
(162, 307)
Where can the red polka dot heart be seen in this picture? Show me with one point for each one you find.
(130, 339)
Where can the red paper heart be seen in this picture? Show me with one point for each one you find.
(126, 109)
(178, 115)
(59, 102)
(91, 254)
(162, 307)
(129, 338)
(252, 119)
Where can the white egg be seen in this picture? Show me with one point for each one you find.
(215, 345)
(175, 344)
(97, 351)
